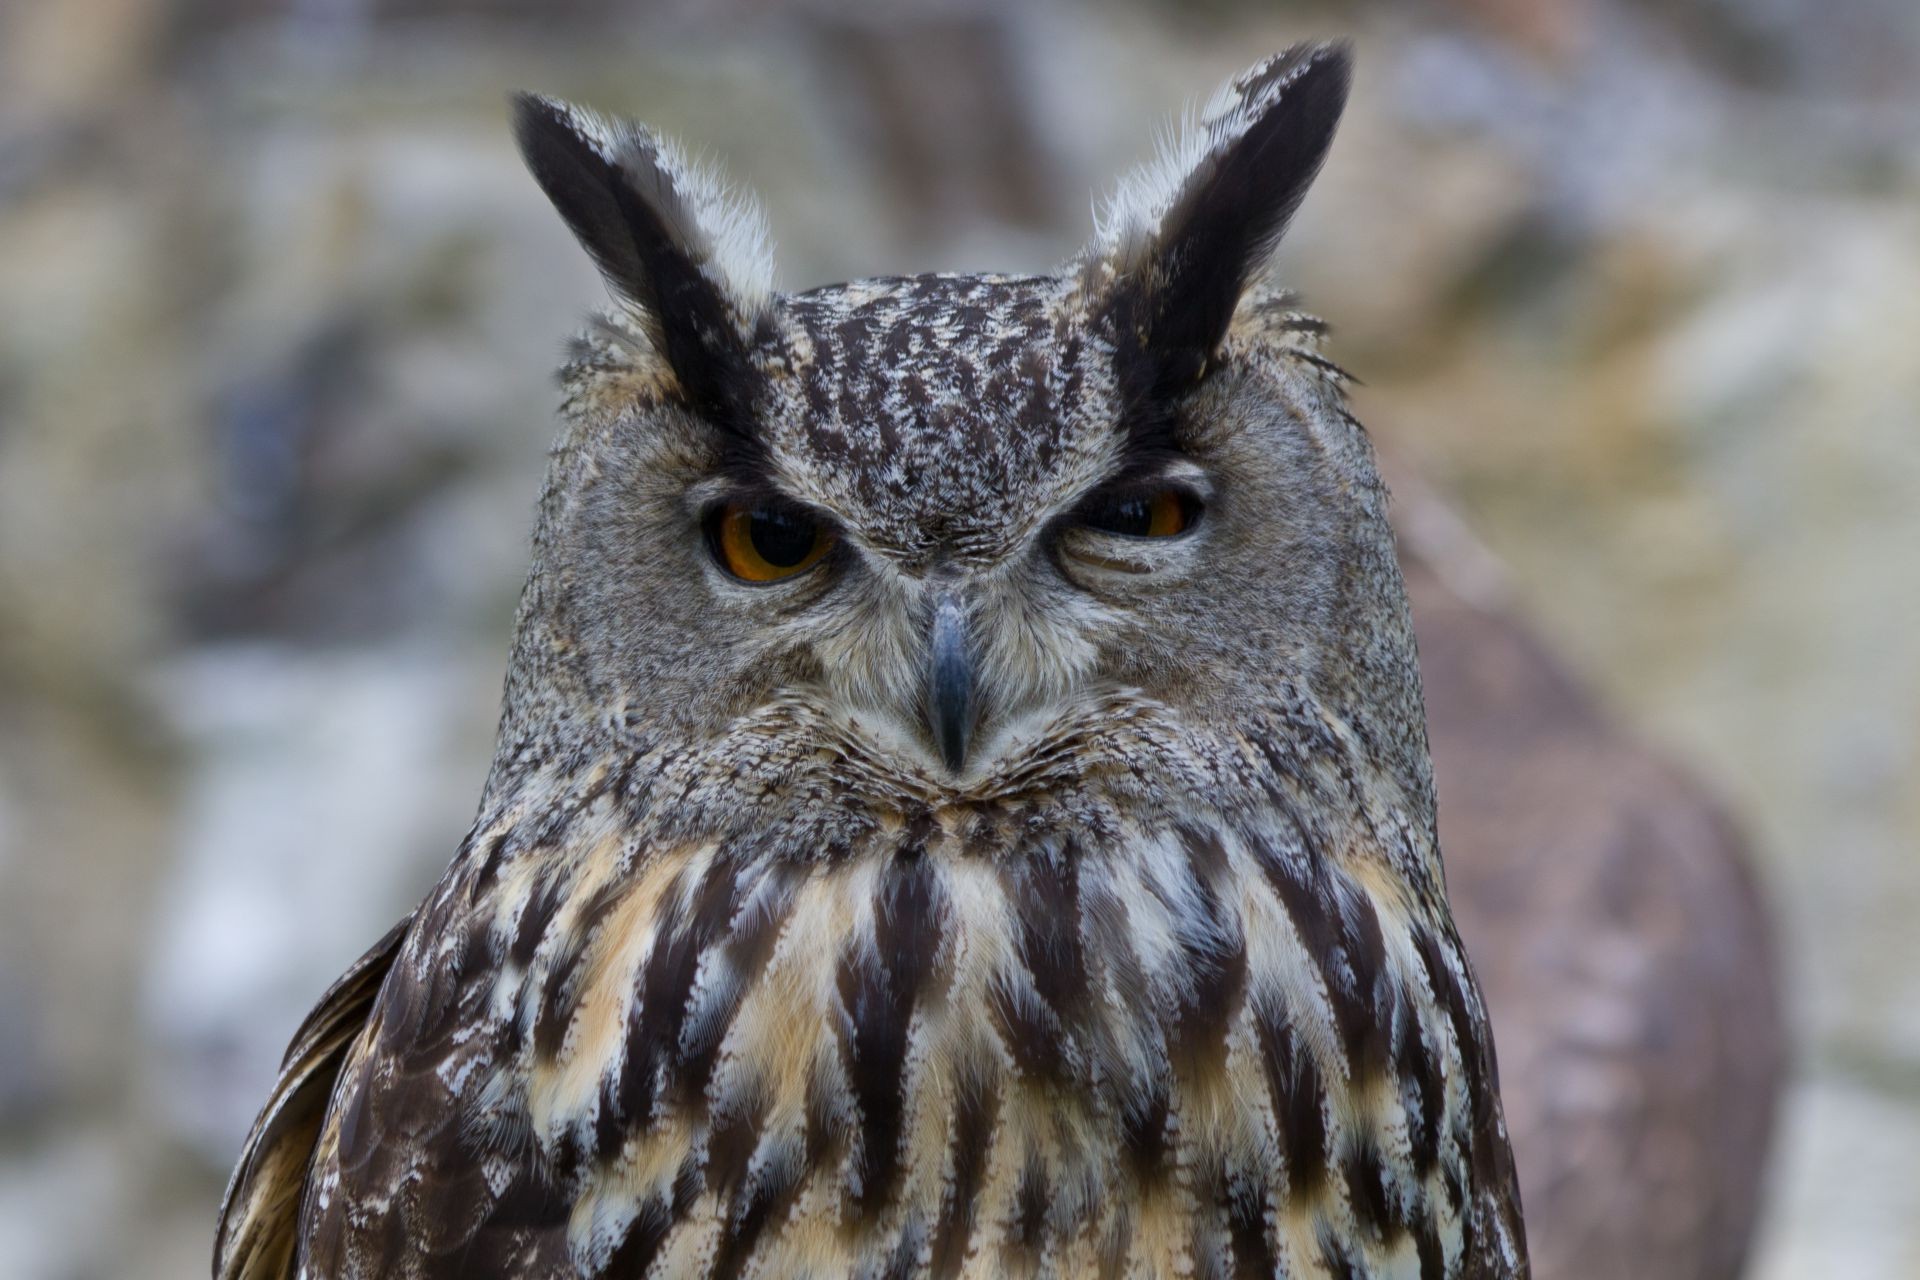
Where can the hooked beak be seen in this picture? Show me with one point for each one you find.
(950, 681)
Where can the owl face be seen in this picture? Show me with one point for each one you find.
(949, 515)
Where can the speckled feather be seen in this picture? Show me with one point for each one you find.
(734, 977)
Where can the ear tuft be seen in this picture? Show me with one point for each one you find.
(584, 160)
(673, 242)
(1183, 238)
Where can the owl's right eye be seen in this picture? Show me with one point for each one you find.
(1162, 513)
(765, 542)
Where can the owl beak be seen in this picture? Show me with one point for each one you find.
(950, 682)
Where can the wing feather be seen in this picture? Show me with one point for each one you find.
(255, 1237)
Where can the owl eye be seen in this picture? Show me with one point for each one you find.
(1160, 513)
(765, 542)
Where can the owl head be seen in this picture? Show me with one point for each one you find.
(943, 524)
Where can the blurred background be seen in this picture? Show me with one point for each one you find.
(1634, 288)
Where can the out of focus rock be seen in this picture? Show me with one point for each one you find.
(25, 1082)
(326, 791)
(1842, 1119)
(23, 1071)
(59, 1214)
(63, 60)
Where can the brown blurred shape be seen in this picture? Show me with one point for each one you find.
(1609, 909)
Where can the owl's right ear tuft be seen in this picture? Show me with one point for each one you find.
(1183, 239)
(688, 256)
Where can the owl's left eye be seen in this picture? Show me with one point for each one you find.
(766, 542)
(1153, 513)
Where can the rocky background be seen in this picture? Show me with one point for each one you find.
(1635, 285)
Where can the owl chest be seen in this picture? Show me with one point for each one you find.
(1010, 1065)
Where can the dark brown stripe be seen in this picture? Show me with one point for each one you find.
(641, 1243)
(1491, 1162)
(542, 902)
(558, 998)
(1039, 1045)
(1426, 1244)
(1338, 1260)
(767, 1196)
(976, 1117)
(735, 1133)
(489, 865)
(1216, 963)
(1143, 1130)
(748, 944)
(763, 1198)
(1026, 1232)
(1363, 1007)
(1045, 893)
(1340, 929)
(878, 994)
(526, 1226)
(906, 1250)
(1376, 1210)
(1247, 1229)
(666, 985)
(1299, 1101)
(1420, 1090)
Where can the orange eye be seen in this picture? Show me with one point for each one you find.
(766, 543)
(1160, 514)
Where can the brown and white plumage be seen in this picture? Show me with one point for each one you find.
(999, 896)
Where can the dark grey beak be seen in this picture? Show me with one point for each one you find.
(950, 682)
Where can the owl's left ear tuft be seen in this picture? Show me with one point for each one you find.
(686, 254)
(1182, 240)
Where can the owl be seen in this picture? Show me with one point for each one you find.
(961, 806)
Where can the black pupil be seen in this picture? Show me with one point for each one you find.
(1131, 516)
(783, 540)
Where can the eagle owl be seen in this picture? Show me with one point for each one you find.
(962, 803)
